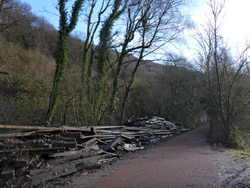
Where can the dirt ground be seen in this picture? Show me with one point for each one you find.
(213, 166)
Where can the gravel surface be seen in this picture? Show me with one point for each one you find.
(233, 167)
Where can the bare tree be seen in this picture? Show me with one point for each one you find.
(11, 13)
(224, 74)
(150, 25)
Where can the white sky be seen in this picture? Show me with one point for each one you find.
(236, 24)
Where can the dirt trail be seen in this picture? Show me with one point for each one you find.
(184, 161)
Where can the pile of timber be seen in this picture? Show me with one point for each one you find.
(35, 155)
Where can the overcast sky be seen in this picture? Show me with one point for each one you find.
(236, 27)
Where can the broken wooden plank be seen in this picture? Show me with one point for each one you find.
(63, 128)
(74, 153)
(108, 127)
(7, 173)
(100, 136)
(76, 157)
(127, 137)
(67, 153)
(112, 143)
(57, 172)
(52, 139)
(89, 141)
(103, 161)
(34, 151)
(109, 153)
(42, 175)
(87, 154)
(64, 144)
(71, 134)
(19, 163)
(20, 134)
(91, 167)
(102, 142)
(132, 147)
(68, 160)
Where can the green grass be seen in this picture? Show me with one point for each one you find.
(239, 154)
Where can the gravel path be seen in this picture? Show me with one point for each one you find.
(184, 161)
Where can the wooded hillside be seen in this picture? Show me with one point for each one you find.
(53, 77)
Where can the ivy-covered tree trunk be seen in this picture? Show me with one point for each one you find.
(61, 54)
(106, 36)
(103, 66)
(89, 49)
(85, 63)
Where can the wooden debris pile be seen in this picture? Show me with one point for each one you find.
(36, 155)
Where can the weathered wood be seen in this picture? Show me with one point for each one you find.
(14, 135)
(63, 128)
(60, 162)
(7, 173)
(57, 172)
(108, 127)
(136, 121)
(110, 132)
(34, 151)
(162, 133)
(109, 153)
(127, 137)
(112, 143)
(102, 142)
(91, 167)
(88, 154)
(89, 141)
(71, 134)
(42, 175)
(68, 160)
(52, 139)
(19, 163)
(100, 136)
(132, 147)
(75, 156)
(38, 145)
(71, 153)
(103, 161)
(64, 144)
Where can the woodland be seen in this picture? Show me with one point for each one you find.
(111, 75)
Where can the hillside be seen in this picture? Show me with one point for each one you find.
(27, 68)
